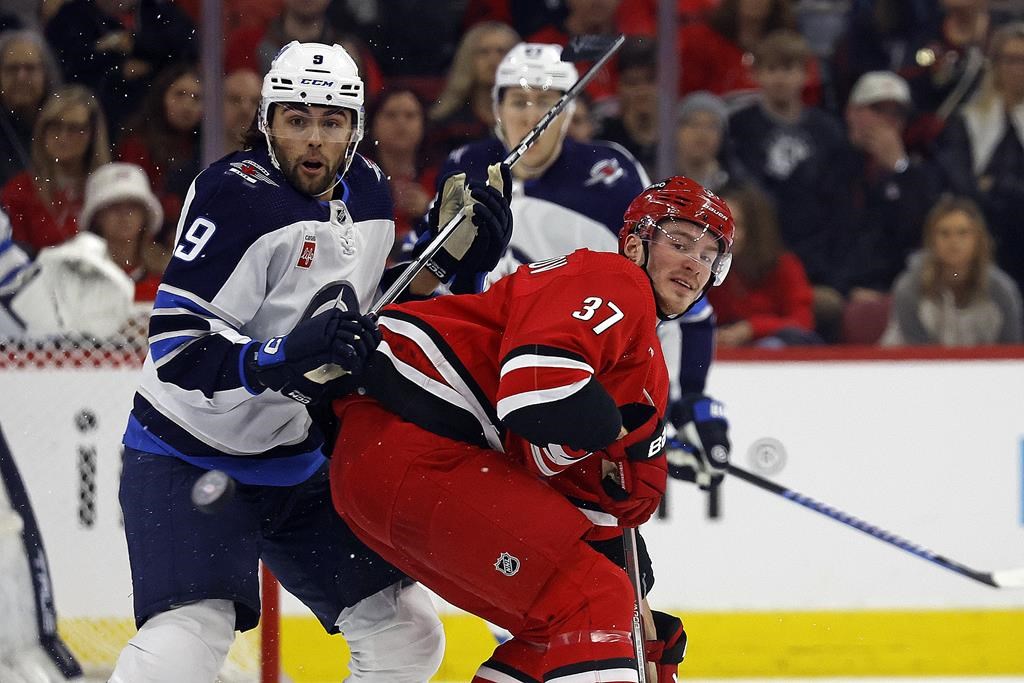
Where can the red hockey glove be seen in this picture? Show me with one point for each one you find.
(635, 481)
(645, 437)
(633, 493)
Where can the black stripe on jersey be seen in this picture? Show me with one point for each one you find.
(456, 364)
(412, 402)
(178, 322)
(588, 420)
(593, 665)
(542, 350)
(180, 440)
(509, 671)
(208, 364)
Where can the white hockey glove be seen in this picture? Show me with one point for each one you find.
(703, 436)
(483, 236)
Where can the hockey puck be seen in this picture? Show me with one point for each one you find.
(212, 491)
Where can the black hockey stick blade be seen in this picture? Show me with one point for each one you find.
(1009, 578)
(587, 48)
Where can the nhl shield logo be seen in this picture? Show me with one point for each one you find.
(507, 564)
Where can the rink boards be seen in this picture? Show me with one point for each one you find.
(931, 450)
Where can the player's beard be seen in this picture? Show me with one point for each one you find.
(312, 185)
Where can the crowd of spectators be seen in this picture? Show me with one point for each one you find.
(848, 135)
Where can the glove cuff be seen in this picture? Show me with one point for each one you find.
(247, 370)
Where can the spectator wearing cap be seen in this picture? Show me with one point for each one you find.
(28, 72)
(789, 149)
(981, 152)
(121, 208)
(701, 149)
(888, 193)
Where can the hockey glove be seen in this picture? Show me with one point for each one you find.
(334, 337)
(669, 649)
(637, 481)
(482, 237)
(704, 434)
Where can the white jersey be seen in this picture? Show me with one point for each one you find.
(253, 258)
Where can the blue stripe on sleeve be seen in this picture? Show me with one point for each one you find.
(161, 348)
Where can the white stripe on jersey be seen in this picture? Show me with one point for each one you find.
(599, 518)
(458, 393)
(529, 360)
(541, 461)
(554, 454)
(603, 676)
(529, 398)
(486, 673)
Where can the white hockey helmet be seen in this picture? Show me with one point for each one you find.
(314, 73)
(536, 66)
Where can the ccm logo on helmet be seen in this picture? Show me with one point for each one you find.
(316, 81)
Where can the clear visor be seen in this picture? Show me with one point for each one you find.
(325, 125)
(701, 246)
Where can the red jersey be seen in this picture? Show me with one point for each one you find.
(460, 366)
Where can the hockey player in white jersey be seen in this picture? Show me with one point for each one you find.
(279, 249)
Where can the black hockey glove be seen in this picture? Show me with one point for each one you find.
(483, 236)
(703, 432)
(336, 337)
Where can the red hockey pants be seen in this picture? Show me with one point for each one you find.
(488, 536)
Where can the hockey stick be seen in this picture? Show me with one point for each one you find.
(633, 571)
(581, 48)
(1007, 578)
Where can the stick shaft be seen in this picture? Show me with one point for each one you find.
(633, 570)
(414, 268)
(892, 539)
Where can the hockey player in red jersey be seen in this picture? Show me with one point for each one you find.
(477, 457)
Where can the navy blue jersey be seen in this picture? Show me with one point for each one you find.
(253, 256)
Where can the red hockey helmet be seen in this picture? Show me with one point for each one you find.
(680, 198)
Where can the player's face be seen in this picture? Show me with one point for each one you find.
(520, 110)
(310, 143)
(679, 264)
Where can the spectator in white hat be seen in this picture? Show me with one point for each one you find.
(121, 208)
(888, 193)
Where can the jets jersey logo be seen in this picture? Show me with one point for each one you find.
(251, 172)
(507, 564)
(307, 253)
(606, 171)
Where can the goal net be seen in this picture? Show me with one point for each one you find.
(65, 405)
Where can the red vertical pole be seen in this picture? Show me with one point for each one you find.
(270, 628)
